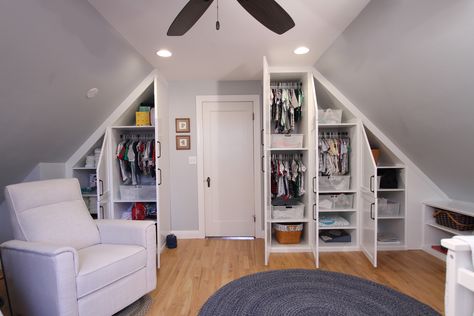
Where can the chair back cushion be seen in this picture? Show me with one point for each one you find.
(51, 211)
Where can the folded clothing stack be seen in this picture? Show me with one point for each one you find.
(333, 221)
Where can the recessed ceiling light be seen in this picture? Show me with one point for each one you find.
(301, 50)
(164, 53)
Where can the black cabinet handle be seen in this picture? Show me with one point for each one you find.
(159, 149)
(314, 211)
(371, 184)
(208, 180)
(102, 211)
(101, 187)
(161, 179)
(372, 211)
(314, 186)
(261, 136)
(262, 164)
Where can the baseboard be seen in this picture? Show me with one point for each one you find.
(188, 234)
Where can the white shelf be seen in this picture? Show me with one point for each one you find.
(89, 194)
(287, 149)
(337, 191)
(303, 246)
(391, 217)
(451, 230)
(338, 246)
(396, 166)
(338, 211)
(389, 243)
(391, 190)
(301, 220)
(337, 227)
(464, 208)
(135, 201)
(322, 125)
(151, 128)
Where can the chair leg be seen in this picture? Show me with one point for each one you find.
(6, 285)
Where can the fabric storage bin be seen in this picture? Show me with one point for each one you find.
(288, 233)
(137, 192)
(454, 220)
(388, 208)
(334, 183)
(336, 201)
(287, 140)
(288, 211)
(330, 116)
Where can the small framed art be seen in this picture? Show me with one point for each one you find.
(183, 142)
(183, 125)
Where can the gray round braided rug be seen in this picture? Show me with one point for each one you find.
(309, 292)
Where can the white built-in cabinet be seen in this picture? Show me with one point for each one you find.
(366, 226)
(111, 204)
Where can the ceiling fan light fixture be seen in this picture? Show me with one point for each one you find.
(301, 50)
(164, 53)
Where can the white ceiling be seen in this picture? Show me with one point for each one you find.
(235, 52)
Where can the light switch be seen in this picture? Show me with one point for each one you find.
(192, 160)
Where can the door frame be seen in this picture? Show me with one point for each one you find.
(257, 149)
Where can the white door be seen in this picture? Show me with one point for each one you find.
(313, 149)
(229, 193)
(103, 184)
(369, 202)
(266, 158)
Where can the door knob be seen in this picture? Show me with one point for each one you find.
(208, 180)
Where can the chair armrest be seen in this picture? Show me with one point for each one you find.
(41, 278)
(126, 232)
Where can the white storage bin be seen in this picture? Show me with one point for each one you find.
(330, 116)
(287, 140)
(336, 201)
(288, 211)
(388, 208)
(137, 192)
(334, 183)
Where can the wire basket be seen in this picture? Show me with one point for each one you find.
(454, 220)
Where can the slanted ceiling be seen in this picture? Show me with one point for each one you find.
(52, 52)
(408, 66)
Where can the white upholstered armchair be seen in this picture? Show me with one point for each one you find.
(62, 262)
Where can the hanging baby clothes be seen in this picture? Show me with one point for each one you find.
(287, 177)
(136, 159)
(286, 103)
(334, 149)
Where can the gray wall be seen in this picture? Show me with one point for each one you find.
(51, 53)
(182, 98)
(408, 66)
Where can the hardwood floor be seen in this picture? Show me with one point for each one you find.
(197, 268)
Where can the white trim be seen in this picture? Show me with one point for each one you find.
(122, 108)
(255, 99)
(188, 234)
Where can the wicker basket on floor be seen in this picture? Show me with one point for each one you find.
(288, 233)
(454, 220)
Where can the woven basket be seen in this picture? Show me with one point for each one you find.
(454, 220)
(288, 233)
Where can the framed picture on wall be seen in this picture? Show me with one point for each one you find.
(183, 125)
(183, 142)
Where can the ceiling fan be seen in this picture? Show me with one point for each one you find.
(267, 12)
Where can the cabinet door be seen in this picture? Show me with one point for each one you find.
(266, 166)
(314, 158)
(103, 181)
(369, 202)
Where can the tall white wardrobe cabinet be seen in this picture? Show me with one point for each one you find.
(362, 223)
(113, 198)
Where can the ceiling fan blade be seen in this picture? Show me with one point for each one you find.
(188, 16)
(270, 14)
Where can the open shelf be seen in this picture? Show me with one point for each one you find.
(337, 227)
(338, 211)
(450, 230)
(337, 191)
(339, 125)
(285, 149)
(391, 217)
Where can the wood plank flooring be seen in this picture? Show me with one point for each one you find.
(197, 268)
(192, 272)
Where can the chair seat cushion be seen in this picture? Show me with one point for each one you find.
(103, 264)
